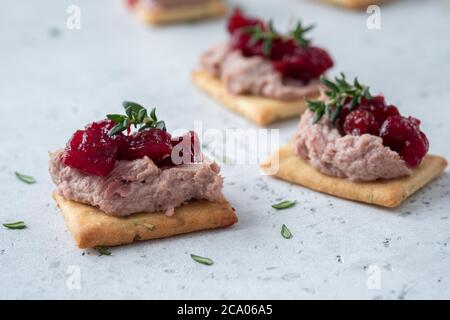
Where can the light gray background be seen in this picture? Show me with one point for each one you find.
(54, 80)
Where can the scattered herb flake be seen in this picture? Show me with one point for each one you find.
(149, 226)
(285, 232)
(103, 251)
(284, 204)
(202, 260)
(25, 178)
(15, 225)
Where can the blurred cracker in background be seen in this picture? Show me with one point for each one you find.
(160, 12)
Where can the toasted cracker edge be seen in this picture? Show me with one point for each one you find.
(387, 193)
(355, 4)
(91, 227)
(192, 12)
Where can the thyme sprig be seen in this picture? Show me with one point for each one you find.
(298, 34)
(268, 34)
(338, 94)
(135, 115)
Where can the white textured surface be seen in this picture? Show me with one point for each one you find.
(55, 80)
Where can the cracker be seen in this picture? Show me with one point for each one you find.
(387, 193)
(260, 110)
(91, 227)
(191, 12)
(355, 4)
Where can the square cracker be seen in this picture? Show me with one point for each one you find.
(387, 193)
(184, 13)
(91, 227)
(355, 4)
(260, 110)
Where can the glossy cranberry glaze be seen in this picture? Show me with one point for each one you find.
(94, 152)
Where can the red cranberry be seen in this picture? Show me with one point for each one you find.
(281, 48)
(397, 129)
(304, 63)
(346, 109)
(238, 20)
(390, 111)
(153, 143)
(91, 150)
(378, 106)
(375, 102)
(403, 135)
(132, 3)
(414, 149)
(241, 40)
(359, 122)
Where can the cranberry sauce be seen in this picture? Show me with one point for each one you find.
(401, 134)
(94, 152)
(288, 56)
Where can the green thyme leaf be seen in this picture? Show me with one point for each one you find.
(299, 34)
(131, 104)
(153, 114)
(103, 251)
(160, 125)
(266, 35)
(126, 123)
(285, 232)
(15, 225)
(145, 126)
(116, 129)
(141, 115)
(25, 178)
(128, 111)
(202, 260)
(284, 204)
(339, 93)
(329, 84)
(115, 117)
